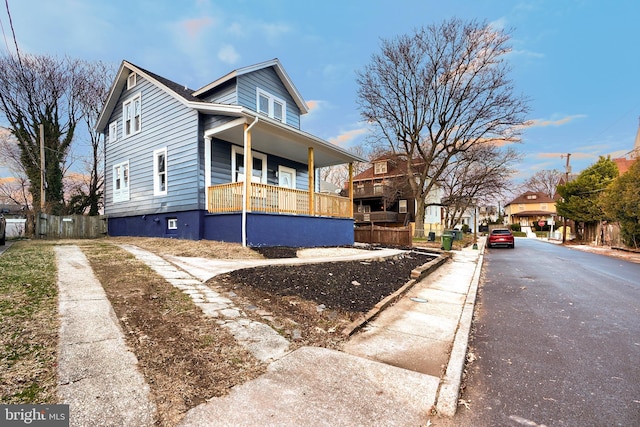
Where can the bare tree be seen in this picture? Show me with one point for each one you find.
(476, 177)
(438, 92)
(87, 192)
(339, 175)
(16, 188)
(544, 181)
(57, 94)
(34, 91)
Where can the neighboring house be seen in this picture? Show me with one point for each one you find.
(226, 162)
(382, 196)
(624, 163)
(531, 208)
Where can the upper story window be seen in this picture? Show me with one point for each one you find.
(160, 172)
(132, 115)
(532, 196)
(121, 182)
(132, 80)
(113, 131)
(380, 167)
(271, 106)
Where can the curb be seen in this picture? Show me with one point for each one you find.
(449, 390)
(417, 274)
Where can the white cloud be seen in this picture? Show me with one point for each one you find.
(554, 122)
(228, 54)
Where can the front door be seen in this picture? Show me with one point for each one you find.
(287, 180)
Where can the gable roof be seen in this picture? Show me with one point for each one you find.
(396, 167)
(180, 92)
(277, 66)
(540, 197)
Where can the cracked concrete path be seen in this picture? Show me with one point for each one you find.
(97, 374)
(260, 339)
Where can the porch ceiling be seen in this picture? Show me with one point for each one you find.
(276, 139)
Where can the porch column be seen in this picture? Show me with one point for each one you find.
(248, 167)
(207, 171)
(351, 190)
(312, 176)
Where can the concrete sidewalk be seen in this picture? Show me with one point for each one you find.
(98, 375)
(404, 366)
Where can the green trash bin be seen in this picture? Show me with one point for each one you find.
(447, 241)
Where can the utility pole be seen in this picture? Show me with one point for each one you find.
(566, 181)
(42, 165)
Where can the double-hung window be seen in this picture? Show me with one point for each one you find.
(160, 182)
(121, 182)
(131, 113)
(271, 106)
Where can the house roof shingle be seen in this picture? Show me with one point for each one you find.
(525, 198)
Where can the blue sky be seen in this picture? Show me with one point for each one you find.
(578, 60)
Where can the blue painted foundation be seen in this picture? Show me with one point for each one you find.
(262, 229)
(156, 225)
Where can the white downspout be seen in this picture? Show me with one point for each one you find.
(245, 187)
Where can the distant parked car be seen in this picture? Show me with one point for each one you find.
(3, 230)
(501, 237)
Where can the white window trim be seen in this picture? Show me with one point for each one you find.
(240, 150)
(272, 99)
(291, 171)
(402, 206)
(113, 131)
(172, 223)
(132, 80)
(131, 101)
(121, 195)
(380, 168)
(156, 173)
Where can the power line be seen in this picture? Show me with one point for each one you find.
(15, 41)
(6, 43)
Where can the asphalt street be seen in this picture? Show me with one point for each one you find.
(556, 340)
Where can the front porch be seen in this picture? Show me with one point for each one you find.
(274, 199)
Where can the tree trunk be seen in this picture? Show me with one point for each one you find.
(419, 229)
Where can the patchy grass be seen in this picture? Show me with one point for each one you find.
(185, 357)
(189, 248)
(28, 323)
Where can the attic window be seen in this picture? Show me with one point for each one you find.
(380, 167)
(132, 80)
(271, 105)
(532, 197)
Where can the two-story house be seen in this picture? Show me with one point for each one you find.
(382, 196)
(531, 208)
(225, 162)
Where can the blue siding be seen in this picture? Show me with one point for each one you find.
(267, 80)
(221, 166)
(165, 122)
(225, 94)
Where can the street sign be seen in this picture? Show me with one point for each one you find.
(541, 223)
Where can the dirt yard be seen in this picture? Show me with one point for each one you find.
(188, 358)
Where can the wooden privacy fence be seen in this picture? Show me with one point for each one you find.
(70, 226)
(395, 236)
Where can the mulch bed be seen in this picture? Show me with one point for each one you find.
(353, 286)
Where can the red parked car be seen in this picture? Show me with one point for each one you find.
(501, 237)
